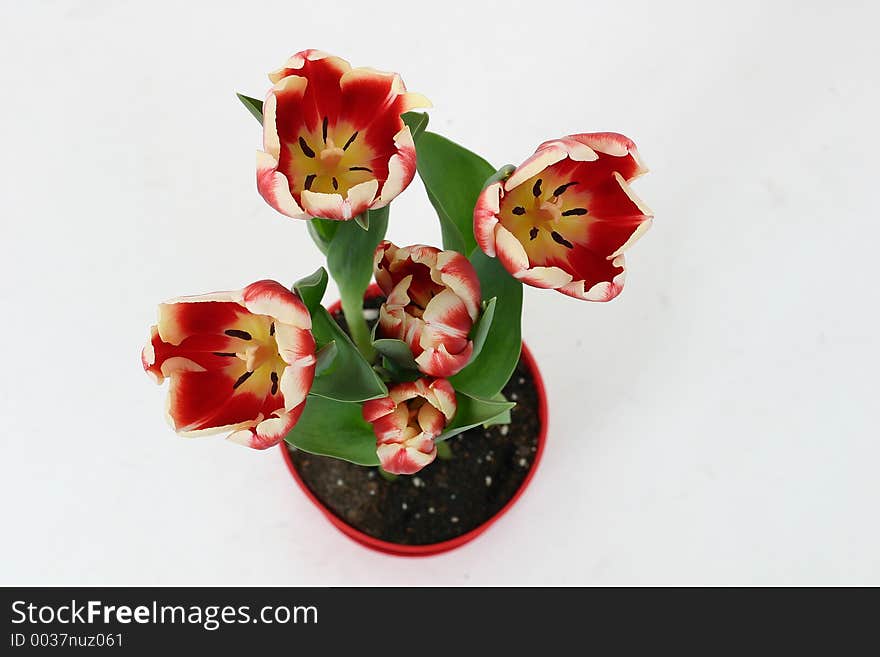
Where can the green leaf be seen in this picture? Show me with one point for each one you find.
(488, 373)
(453, 177)
(322, 231)
(499, 176)
(417, 122)
(350, 260)
(398, 351)
(254, 106)
(396, 373)
(481, 329)
(325, 357)
(311, 289)
(334, 428)
(363, 220)
(444, 451)
(472, 412)
(350, 378)
(504, 418)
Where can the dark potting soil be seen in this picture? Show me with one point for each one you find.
(450, 496)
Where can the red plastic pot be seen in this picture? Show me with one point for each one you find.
(444, 546)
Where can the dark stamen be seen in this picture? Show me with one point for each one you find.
(309, 180)
(360, 169)
(350, 139)
(519, 210)
(533, 233)
(324, 129)
(559, 191)
(225, 354)
(559, 239)
(574, 212)
(272, 329)
(235, 333)
(274, 377)
(244, 377)
(536, 190)
(335, 184)
(305, 148)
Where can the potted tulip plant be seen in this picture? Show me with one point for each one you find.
(410, 411)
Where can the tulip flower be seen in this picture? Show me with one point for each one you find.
(432, 301)
(407, 422)
(564, 217)
(241, 362)
(334, 144)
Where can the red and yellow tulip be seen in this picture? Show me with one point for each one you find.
(407, 421)
(564, 217)
(334, 144)
(433, 300)
(240, 362)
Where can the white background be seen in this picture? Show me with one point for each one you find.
(714, 424)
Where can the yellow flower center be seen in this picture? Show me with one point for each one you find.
(259, 365)
(547, 216)
(330, 159)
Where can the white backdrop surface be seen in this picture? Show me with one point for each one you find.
(714, 424)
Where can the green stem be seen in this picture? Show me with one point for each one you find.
(353, 309)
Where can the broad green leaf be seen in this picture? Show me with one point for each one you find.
(311, 289)
(350, 260)
(481, 329)
(504, 418)
(322, 231)
(472, 412)
(397, 351)
(254, 106)
(417, 122)
(488, 373)
(325, 357)
(334, 428)
(350, 377)
(453, 177)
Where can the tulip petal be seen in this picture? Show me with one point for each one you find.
(603, 285)
(510, 251)
(401, 169)
(543, 158)
(458, 274)
(274, 187)
(400, 460)
(268, 432)
(544, 277)
(376, 408)
(486, 217)
(437, 361)
(273, 299)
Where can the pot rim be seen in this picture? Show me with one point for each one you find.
(429, 549)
